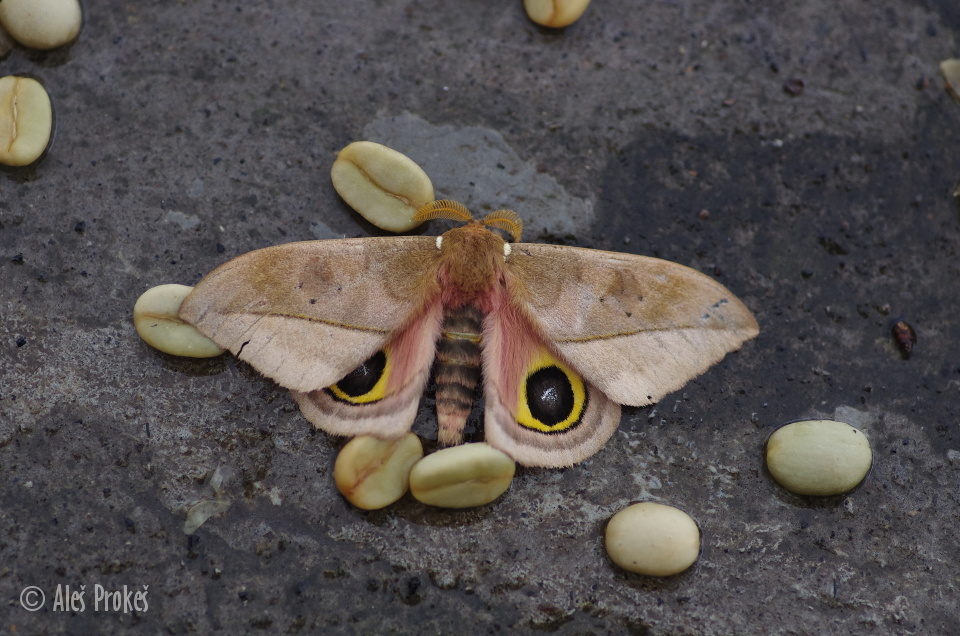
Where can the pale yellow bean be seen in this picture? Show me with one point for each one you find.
(653, 539)
(156, 318)
(26, 120)
(41, 24)
(384, 186)
(950, 68)
(818, 457)
(462, 476)
(555, 13)
(373, 473)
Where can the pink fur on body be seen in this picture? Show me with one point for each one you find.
(413, 348)
(509, 343)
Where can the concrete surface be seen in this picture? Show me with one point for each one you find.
(191, 132)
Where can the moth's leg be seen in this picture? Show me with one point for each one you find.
(457, 371)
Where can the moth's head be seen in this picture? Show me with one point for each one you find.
(473, 254)
(475, 236)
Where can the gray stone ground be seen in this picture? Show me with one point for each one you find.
(191, 132)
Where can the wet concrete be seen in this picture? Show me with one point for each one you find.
(188, 133)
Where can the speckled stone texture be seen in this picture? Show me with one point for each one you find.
(191, 132)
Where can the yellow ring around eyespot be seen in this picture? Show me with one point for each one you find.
(525, 418)
(378, 392)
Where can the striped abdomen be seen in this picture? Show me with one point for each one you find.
(457, 370)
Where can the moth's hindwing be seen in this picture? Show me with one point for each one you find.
(539, 409)
(381, 395)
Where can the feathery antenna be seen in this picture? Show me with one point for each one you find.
(506, 220)
(443, 209)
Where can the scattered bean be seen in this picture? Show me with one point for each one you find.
(41, 24)
(373, 473)
(950, 68)
(818, 457)
(156, 318)
(26, 120)
(461, 476)
(653, 539)
(384, 186)
(555, 13)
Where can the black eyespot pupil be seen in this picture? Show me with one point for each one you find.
(549, 395)
(362, 379)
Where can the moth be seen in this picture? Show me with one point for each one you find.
(559, 336)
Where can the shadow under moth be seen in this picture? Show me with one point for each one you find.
(559, 336)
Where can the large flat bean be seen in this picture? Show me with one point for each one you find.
(26, 120)
(41, 24)
(156, 318)
(384, 186)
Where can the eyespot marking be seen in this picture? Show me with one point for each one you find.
(552, 398)
(365, 384)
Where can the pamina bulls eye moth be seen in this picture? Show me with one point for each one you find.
(559, 336)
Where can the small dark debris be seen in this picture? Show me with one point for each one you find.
(793, 86)
(806, 273)
(220, 248)
(832, 246)
(922, 83)
(296, 624)
(410, 594)
(79, 227)
(21, 341)
(905, 336)
(263, 622)
(17, 259)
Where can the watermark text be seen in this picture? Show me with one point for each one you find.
(79, 599)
